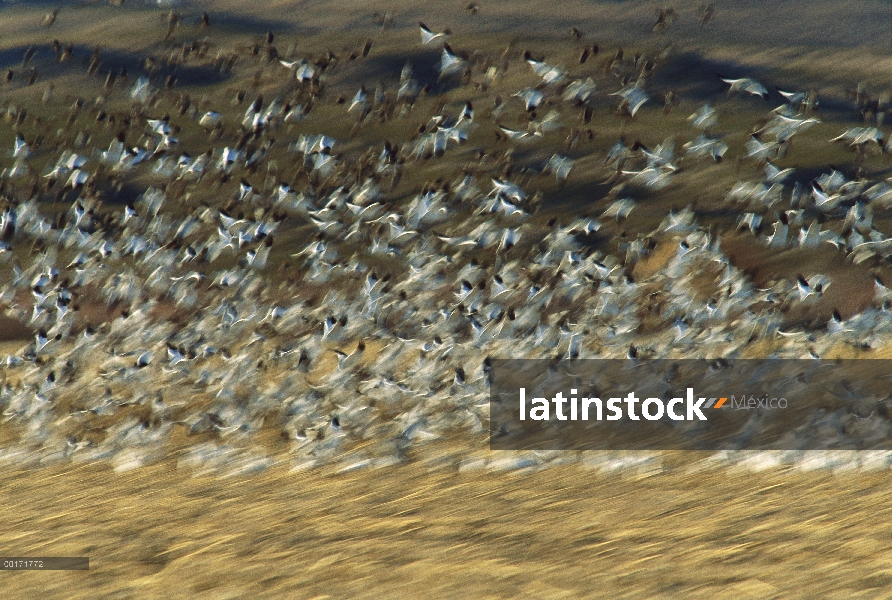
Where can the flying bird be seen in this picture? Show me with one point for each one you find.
(209, 119)
(531, 98)
(665, 18)
(619, 209)
(633, 97)
(428, 36)
(560, 166)
(748, 85)
(550, 74)
(450, 64)
(359, 100)
(706, 14)
(704, 118)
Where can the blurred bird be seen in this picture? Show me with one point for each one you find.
(745, 84)
(450, 64)
(706, 14)
(428, 36)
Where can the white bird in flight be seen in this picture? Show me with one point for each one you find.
(450, 63)
(748, 85)
(427, 36)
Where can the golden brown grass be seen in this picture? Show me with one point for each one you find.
(413, 531)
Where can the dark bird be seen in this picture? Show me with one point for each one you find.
(29, 54)
(667, 15)
(670, 100)
(806, 290)
(706, 13)
(587, 112)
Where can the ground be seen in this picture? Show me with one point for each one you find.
(567, 532)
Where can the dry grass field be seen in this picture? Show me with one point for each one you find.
(414, 530)
(672, 527)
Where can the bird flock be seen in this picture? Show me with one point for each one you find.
(257, 267)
